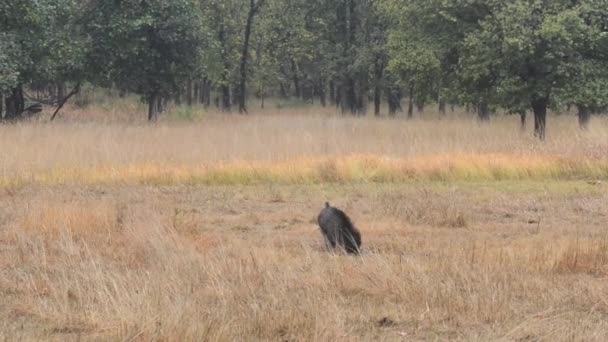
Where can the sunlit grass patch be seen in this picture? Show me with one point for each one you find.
(351, 169)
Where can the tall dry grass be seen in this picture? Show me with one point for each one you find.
(299, 147)
(220, 242)
(226, 264)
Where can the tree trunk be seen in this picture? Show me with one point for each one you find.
(321, 93)
(394, 100)
(1, 106)
(377, 99)
(159, 105)
(442, 107)
(152, 113)
(206, 92)
(296, 79)
(224, 88)
(60, 91)
(419, 106)
(539, 106)
(332, 93)
(483, 111)
(253, 9)
(15, 103)
(189, 93)
(522, 119)
(196, 95)
(378, 77)
(410, 104)
(226, 104)
(584, 115)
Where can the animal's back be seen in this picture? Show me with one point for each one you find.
(338, 229)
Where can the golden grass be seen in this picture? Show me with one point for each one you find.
(114, 231)
(229, 263)
(355, 168)
(300, 148)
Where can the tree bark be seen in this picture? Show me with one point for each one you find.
(584, 116)
(378, 77)
(296, 79)
(206, 92)
(332, 93)
(152, 112)
(65, 99)
(15, 103)
(226, 103)
(522, 119)
(483, 111)
(539, 106)
(225, 87)
(253, 9)
(419, 106)
(60, 91)
(394, 100)
(189, 92)
(196, 92)
(442, 107)
(410, 104)
(320, 90)
(377, 99)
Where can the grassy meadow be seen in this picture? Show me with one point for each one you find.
(202, 227)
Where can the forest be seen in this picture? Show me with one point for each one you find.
(491, 56)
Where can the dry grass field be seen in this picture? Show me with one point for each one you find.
(115, 230)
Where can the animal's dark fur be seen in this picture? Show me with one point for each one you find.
(338, 229)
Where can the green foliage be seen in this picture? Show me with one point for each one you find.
(9, 67)
(40, 41)
(149, 48)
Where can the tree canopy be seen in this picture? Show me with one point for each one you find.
(514, 56)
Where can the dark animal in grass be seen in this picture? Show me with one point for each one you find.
(338, 230)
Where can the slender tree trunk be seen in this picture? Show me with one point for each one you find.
(226, 103)
(321, 93)
(159, 105)
(196, 92)
(253, 9)
(1, 106)
(201, 92)
(282, 90)
(206, 92)
(539, 106)
(378, 77)
(332, 93)
(393, 100)
(522, 119)
(442, 107)
(410, 104)
(152, 113)
(419, 106)
(225, 87)
(60, 91)
(483, 111)
(377, 99)
(296, 79)
(584, 115)
(178, 96)
(189, 93)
